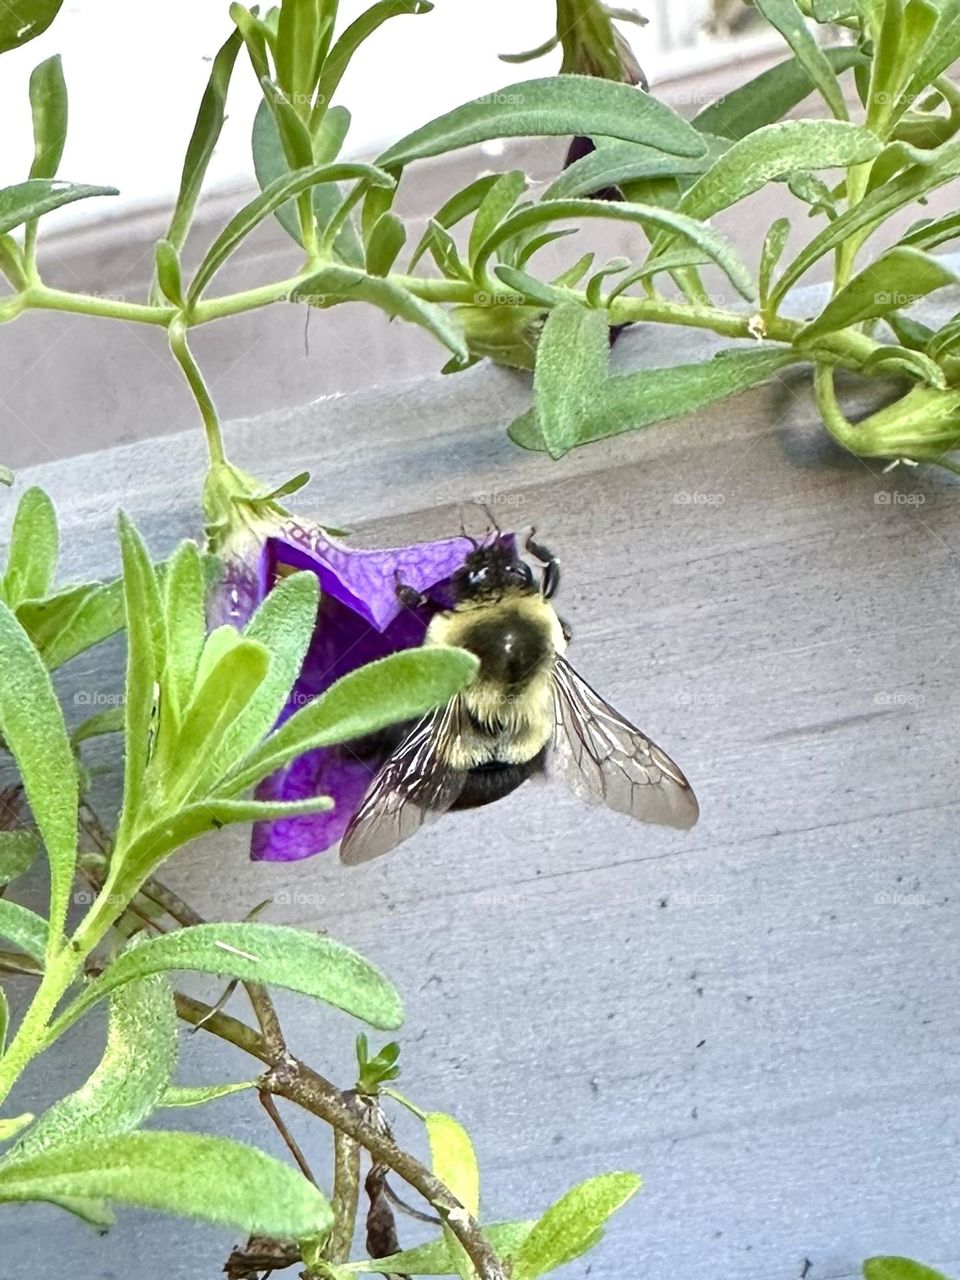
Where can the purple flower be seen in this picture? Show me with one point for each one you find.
(360, 619)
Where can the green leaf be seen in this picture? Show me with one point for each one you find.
(146, 643)
(894, 1268)
(17, 852)
(190, 1175)
(6, 476)
(785, 15)
(569, 1223)
(459, 206)
(615, 162)
(270, 163)
(900, 361)
(136, 1067)
(217, 706)
(669, 261)
(168, 272)
(32, 726)
(913, 183)
(299, 35)
(433, 1259)
(557, 105)
(110, 720)
(529, 286)
(931, 233)
(572, 358)
(774, 243)
(4, 1024)
(942, 49)
(283, 624)
(453, 1159)
(48, 102)
(25, 20)
(196, 1095)
(773, 152)
(203, 140)
(28, 200)
(386, 240)
(634, 400)
(314, 965)
(34, 549)
(338, 59)
(333, 285)
(769, 96)
(9, 1128)
(400, 687)
(911, 333)
(898, 277)
(72, 620)
(496, 204)
(24, 928)
(269, 200)
(716, 247)
(183, 607)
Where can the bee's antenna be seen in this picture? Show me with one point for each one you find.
(463, 533)
(493, 526)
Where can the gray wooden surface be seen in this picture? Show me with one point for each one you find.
(760, 1015)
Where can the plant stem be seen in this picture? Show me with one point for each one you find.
(191, 371)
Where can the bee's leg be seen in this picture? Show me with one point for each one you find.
(551, 571)
(409, 596)
(565, 628)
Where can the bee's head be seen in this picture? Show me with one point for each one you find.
(492, 569)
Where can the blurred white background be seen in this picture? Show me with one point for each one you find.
(135, 75)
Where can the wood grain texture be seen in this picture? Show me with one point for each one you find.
(760, 1015)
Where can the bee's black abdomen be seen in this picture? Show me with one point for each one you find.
(493, 781)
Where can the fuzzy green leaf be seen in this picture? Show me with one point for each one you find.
(769, 96)
(459, 206)
(386, 240)
(48, 102)
(433, 1259)
(186, 1174)
(34, 549)
(137, 1063)
(572, 358)
(898, 277)
(613, 163)
(72, 620)
(630, 401)
(773, 152)
(31, 199)
(913, 183)
(333, 285)
(314, 965)
(196, 1095)
(400, 687)
(183, 607)
(17, 852)
(573, 1220)
(785, 15)
(269, 201)
(495, 206)
(931, 233)
(557, 105)
(24, 928)
(894, 1268)
(338, 59)
(33, 728)
(716, 247)
(453, 1159)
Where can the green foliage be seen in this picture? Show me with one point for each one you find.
(25, 21)
(899, 1269)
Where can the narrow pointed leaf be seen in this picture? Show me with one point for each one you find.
(902, 274)
(569, 1223)
(33, 729)
(338, 59)
(398, 688)
(785, 15)
(196, 1095)
(37, 196)
(273, 954)
(72, 620)
(135, 1069)
(571, 368)
(48, 102)
(24, 928)
(186, 1174)
(557, 105)
(34, 549)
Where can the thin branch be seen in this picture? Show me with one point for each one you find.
(293, 1146)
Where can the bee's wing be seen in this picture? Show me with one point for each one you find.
(413, 786)
(603, 758)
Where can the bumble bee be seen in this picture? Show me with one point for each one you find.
(527, 711)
